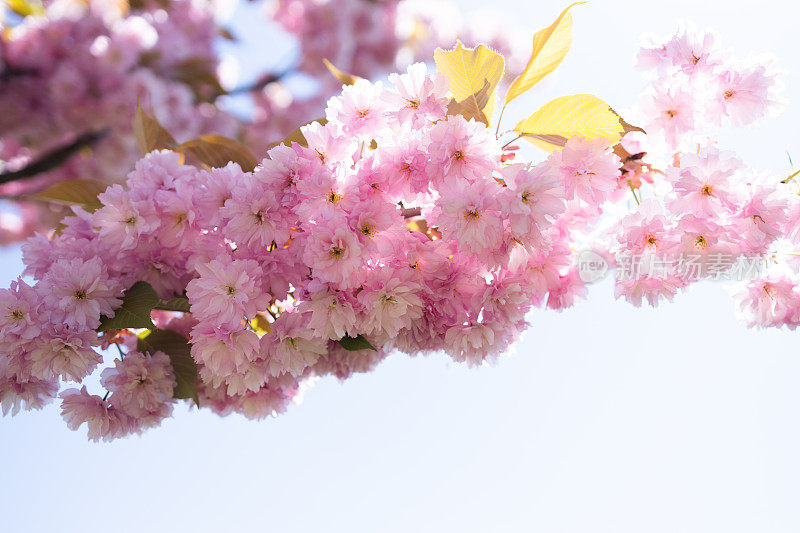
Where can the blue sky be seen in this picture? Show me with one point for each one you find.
(607, 418)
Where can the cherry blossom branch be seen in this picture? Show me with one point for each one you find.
(10, 73)
(53, 158)
(263, 81)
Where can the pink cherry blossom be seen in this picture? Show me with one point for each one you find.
(122, 221)
(419, 98)
(226, 291)
(390, 300)
(64, 353)
(333, 252)
(538, 197)
(671, 112)
(254, 217)
(82, 290)
(224, 351)
(292, 348)
(462, 149)
(772, 301)
(141, 385)
(103, 421)
(653, 289)
(588, 168)
(745, 95)
(472, 216)
(331, 313)
(703, 183)
(359, 110)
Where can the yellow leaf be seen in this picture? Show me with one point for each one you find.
(144, 4)
(489, 109)
(550, 46)
(469, 71)
(150, 134)
(200, 75)
(260, 325)
(419, 224)
(216, 151)
(74, 192)
(297, 135)
(344, 77)
(472, 106)
(24, 8)
(581, 115)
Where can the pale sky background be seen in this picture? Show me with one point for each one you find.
(607, 418)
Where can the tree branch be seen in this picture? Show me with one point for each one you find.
(53, 158)
(11, 72)
(409, 212)
(262, 82)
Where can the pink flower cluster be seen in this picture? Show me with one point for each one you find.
(396, 226)
(700, 86)
(79, 69)
(707, 217)
(369, 39)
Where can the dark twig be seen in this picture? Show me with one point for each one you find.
(409, 212)
(53, 158)
(9, 73)
(262, 82)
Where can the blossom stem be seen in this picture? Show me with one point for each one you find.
(518, 137)
(791, 176)
(500, 118)
(633, 192)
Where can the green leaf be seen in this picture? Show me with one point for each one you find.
(354, 344)
(176, 346)
(137, 302)
(74, 192)
(178, 303)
